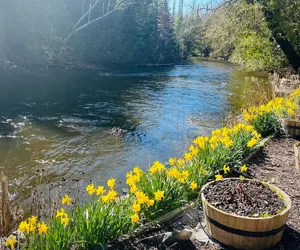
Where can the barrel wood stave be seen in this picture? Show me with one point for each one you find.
(219, 225)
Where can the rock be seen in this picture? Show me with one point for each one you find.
(117, 131)
(200, 236)
(169, 238)
(20, 237)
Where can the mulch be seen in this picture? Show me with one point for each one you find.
(244, 197)
(275, 164)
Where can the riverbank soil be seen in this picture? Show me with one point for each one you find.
(275, 163)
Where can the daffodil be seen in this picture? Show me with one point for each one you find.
(218, 177)
(244, 168)
(65, 220)
(141, 197)
(66, 200)
(136, 207)
(149, 202)
(60, 213)
(173, 173)
(32, 220)
(188, 156)
(132, 179)
(184, 174)
(157, 167)
(111, 183)
(133, 189)
(172, 161)
(24, 227)
(135, 218)
(159, 195)
(110, 197)
(10, 242)
(180, 162)
(32, 223)
(193, 185)
(100, 190)
(226, 169)
(42, 228)
(90, 189)
(138, 171)
(252, 143)
(194, 151)
(200, 141)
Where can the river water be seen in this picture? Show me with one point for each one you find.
(59, 123)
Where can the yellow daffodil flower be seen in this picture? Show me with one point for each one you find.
(111, 183)
(172, 161)
(244, 168)
(24, 227)
(66, 200)
(90, 189)
(100, 190)
(226, 169)
(65, 220)
(138, 171)
(159, 195)
(218, 177)
(42, 228)
(136, 207)
(135, 218)
(188, 156)
(193, 185)
(10, 242)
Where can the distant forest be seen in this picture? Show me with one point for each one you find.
(257, 34)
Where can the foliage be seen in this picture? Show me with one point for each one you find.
(189, 34)
(286, 14)
(240, 33)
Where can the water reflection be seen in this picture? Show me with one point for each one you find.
(60, 121)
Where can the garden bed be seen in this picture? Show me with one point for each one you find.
(274, 164)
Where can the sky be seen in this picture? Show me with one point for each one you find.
(187, 3)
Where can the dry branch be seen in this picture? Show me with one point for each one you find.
(121, 5)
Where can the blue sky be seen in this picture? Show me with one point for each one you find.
(186, 3)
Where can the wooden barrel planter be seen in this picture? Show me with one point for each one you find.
(241, 232)
(292, 128)
(297, 154)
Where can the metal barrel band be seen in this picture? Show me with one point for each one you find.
(243, 232)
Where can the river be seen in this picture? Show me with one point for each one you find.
(58, 124)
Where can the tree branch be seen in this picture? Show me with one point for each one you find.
(119, 7)
(86, 13)
(90, 11)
